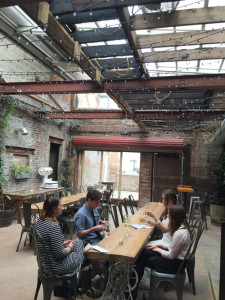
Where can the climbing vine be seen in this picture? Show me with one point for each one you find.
(4, 125)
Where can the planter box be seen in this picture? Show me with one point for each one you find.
(217, 213)
(6, 216)
(22, 176)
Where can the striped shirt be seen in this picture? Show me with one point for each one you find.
(61, 262)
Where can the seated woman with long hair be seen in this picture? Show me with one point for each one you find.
(167, 259)
(168, 199)
(66, 257)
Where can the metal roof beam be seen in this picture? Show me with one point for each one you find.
(214, 82)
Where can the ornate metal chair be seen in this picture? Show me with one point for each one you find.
(190, 265)
(177, 279)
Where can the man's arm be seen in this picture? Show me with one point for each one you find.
(86, 232)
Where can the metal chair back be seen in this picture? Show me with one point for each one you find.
(106, 214)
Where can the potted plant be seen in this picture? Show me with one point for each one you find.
(217, 199)
(7, 212)
(66, 172)
(21, 171)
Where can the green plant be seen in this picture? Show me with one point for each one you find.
(66, 172)
(218, 181)
(21, 169)
(4, 125)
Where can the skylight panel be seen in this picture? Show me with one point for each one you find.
(216, 3)
(109, 23)
(220, 45)
(188, 4)
(151, 67)
(215, 26)
(167, 65)
(117, 42)
(188, 47)
(188, 28)
(86, 26)
(187, 64)
(161, 30)
(161, 49)
(94, 44)
(210, 64)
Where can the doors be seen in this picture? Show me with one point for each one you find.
(166, 173)
(53, 160)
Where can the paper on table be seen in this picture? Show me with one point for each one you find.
(100, 249)
(138, 226)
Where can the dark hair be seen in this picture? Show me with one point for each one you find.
(93, 195)
(48, 209)
(170, 195)
(177, 218)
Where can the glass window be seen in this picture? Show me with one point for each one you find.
(116, 170)
(91, 169)
(110, 172)
(130, 175)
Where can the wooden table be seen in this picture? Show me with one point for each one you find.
(185, 189)
(123, 256)
(24, 195)
(68, 200)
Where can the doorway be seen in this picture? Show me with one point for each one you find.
(166, 173)
(54, 160)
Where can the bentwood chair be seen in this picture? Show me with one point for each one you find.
(67, 217)
(107, 214)
(190, 265)
(133, 203)
(177, 279)
(26, 226)
(46, 275)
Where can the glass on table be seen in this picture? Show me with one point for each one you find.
(107, 233)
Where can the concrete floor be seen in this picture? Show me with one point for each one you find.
(19, 269)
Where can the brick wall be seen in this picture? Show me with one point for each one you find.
(145, 178)
(34, 147)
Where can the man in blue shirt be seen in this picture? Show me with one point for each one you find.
(89, 226)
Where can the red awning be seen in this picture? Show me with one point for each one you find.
(114, 142)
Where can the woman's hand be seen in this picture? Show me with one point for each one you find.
(151, 247)
(68, 243)
(144, 220)
(157, 249)
(71, 244)
(150, 214)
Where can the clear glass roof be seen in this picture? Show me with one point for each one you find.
(180, 67)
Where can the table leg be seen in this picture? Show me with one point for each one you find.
(120, 277)
(19, 205)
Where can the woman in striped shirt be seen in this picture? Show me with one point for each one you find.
(65, 257)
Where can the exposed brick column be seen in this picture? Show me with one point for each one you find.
(145, 178)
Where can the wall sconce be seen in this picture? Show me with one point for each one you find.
(22, 130)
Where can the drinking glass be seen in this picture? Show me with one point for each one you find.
(126, 222)
(106, 234)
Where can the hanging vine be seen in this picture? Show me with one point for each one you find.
(4, 125)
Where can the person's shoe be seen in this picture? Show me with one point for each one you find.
(93, 293)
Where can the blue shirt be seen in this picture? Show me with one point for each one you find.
(84, 220)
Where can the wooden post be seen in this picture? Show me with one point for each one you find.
(43, 12)
(77, 50)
